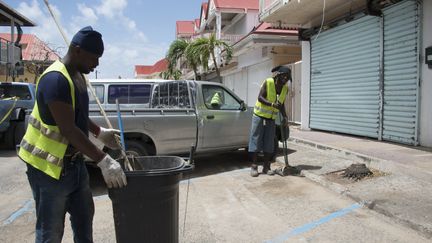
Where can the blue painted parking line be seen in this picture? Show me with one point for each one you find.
(28, 206)
(312, 225)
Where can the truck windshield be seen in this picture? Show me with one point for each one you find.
(22, 92)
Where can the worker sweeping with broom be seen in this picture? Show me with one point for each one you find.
(270, 102)
(57, 138)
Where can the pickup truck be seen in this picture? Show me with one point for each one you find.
(168, 117)
(15, 100)
(163, 117)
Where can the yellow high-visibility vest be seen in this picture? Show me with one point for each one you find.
(266, 111)
(216, 99)
(43, 146)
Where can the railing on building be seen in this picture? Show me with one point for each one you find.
(231, 39)
(265, 4)
(6, 50)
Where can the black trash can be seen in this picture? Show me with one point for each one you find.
(146, 210)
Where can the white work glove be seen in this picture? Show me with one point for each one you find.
(108, 137)
(112, 172)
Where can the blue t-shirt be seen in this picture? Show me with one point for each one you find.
(53, 86)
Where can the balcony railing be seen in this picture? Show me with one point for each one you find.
(231, 39)
(266, 4)
(6, 48)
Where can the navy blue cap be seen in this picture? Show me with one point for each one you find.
(89, 40)
(281, 69)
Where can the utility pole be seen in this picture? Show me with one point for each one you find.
(96, 72)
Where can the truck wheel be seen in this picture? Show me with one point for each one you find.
(136, 148)
(19, 132)
(9, 136)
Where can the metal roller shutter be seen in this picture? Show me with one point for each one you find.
(400, 111)
(345, 63)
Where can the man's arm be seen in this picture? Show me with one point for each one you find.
(93, 128)
(263, 94)
(64, 116)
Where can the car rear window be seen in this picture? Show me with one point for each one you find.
(129, 93)
(171, 95)
(20, 91)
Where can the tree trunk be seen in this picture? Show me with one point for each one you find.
(216, 67)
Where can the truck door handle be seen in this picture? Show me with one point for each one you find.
(210, 117)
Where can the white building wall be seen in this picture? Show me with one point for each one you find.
(426, 84)
(305, 86)
(244, 25)
(250, 58)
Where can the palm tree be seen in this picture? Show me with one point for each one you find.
(204, 48)
(176, 52)
(171, 74)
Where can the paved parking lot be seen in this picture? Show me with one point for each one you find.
(225, 204)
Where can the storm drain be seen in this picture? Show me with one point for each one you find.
(353, 173)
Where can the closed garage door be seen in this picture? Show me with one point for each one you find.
(345, 73)
(401, 72)
(349, 94)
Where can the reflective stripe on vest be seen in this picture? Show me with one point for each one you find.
(43, 146)
(266, 111)
(216, 100)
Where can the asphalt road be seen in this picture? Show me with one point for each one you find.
(225, 204)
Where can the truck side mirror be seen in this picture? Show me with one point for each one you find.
(243, 106)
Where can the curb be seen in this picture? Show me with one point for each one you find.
(340, 189)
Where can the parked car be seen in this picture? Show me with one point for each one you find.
(15, 100)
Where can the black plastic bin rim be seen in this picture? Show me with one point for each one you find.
(180, 168)
(159, 172)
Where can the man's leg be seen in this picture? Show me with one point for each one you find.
(255, 143)
(81, 207)
(254, 166)
(268, 147)
(50, 200)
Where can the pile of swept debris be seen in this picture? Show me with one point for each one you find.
(353, 173)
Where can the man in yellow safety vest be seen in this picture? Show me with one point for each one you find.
(57, 138)
(270, 102)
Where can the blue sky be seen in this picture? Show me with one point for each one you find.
(134, 31)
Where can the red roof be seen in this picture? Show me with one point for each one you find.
(266, 28)
(185, 27)
(143, 69)
(237, 4)
(33, 48)
(203, 10)
(158, 67)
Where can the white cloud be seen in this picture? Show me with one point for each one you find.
(86, 17)
(114, 11)
(119, 59)
(111, 8)
(46, 28)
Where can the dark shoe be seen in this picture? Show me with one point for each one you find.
(254, 171)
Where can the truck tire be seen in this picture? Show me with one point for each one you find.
(136, 148)
(20, 130)
(9, 136)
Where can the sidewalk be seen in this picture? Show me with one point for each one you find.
(404, 193)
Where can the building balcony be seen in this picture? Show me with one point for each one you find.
(231, 39)
(9, 53)
(305, 13)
